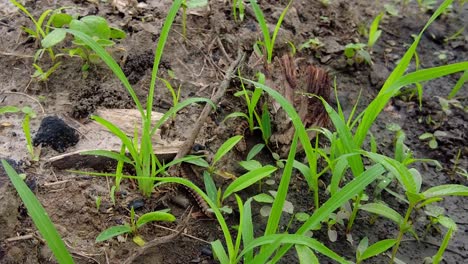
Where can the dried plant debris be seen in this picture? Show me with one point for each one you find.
(299, 85)
(54, 132)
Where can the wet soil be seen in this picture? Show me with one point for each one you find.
(198, 65)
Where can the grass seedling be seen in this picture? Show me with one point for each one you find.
(42, 76)
(134, 225)
(238, 10)
(39, 216)
(268, 42)
(252, 99)
(360, 52)
(140, 148)
(175, 95)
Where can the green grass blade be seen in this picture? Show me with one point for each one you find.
(277, 28)
(378, 248)
(113, 232)
(104, 55)
(291, 239)
(347, 192)
(384, 211)
(277, 207)
(261, 21)
(39, 216)
(458, 85)
(225, 148)
(159, 52)
(247, 230)
(376, 106)
(219, 252)
(248, 179)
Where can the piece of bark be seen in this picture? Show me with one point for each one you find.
(97, 137)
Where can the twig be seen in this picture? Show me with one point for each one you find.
(18, 238)
(221, 47)
(16, 55)
(47, 184)
(216, 98)
(186, 235)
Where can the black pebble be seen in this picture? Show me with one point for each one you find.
(136, 204)
(55, 133)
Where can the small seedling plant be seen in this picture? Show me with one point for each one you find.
(268, 42)
(252, 99)
(95, 27)
(360, 52)
(134, 225)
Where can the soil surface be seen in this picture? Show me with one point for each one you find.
(198, 65)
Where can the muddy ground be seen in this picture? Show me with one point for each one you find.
(199, 65)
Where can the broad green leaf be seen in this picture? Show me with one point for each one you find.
(248, 179)
(384, 211)
(301, 216)
(53, 38)
(94, 26)
(250, 164)
(446, 190)
(210, 186)
(378, 248)
(254, 151)
(116, 33)
(105, 42)
(199, 162)
(263, 198)
(113, 232)
(39, 216)
(363, 245)
(155, 216)
(426, 136)
(9, 109)
(225, 148)
(61, 19)
(306, 255)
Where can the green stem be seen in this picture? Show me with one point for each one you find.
(403, 228)
(354, 213)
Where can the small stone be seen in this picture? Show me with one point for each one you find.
(378, 75)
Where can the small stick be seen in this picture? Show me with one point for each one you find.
(47, 184)
(186, 235)
(18, 238)
(216, 98)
